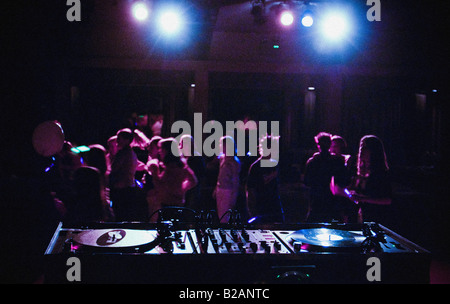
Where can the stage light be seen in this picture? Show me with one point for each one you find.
(140, 10)
(335, 26)
(307, 19)
(286, 18)
(170, 22)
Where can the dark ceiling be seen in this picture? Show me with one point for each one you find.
(40, 48)
(409, 33)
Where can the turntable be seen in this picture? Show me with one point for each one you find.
(126, 241)
(325, 238)
(367, 238)
(121, 239)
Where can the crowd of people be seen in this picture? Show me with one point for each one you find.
(345, 189)
(135, 177)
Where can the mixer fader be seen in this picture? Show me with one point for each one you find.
(238, 241)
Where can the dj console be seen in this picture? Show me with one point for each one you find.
(174, 252)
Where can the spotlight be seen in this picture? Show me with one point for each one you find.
(140, 10)
(307, 19)
(170, 22)
(286, 18)
(335, 26)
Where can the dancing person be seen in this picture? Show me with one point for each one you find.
(89, 203)
(345, 209)
(339, 147)
(319, 171)
(125, 200)
(96, 157)
(196, 162)
(262, 188)
(371, 187)
(171, 179)
(228, 182)
(153, 160)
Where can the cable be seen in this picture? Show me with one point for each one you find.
(160, 211)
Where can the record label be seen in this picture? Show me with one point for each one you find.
(114, 238)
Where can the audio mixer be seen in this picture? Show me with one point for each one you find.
(188, 253)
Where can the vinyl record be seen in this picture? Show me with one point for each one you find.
(114, 238)
(325, 237)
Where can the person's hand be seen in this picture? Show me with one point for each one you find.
(356, 197)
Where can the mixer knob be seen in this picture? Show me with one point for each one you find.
(277, 246)
(222, 235)
(210, 233)
(241, 247)
(254, 246)
(234, 235)
(228, 245)
(265, 246)
(297, 246)
(215, 245)
(245, 235)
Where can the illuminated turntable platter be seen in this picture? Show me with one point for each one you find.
(325, 237)
(114, 238)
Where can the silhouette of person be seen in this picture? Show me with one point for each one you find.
(262, 189)
(171, 180)
(196, 162)
(339, 147)
(345, 208)
(89, 203)
(371, 188)
(228, 182)
(319, 171)
(125, 200)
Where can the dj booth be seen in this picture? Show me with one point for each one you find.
(171, 252)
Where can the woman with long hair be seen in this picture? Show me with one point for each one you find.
(371, 188)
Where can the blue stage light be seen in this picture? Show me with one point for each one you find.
(307, 19)
(335, 26)
(170, 22)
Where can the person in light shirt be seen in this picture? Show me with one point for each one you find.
(227, 187)
(171, 179)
